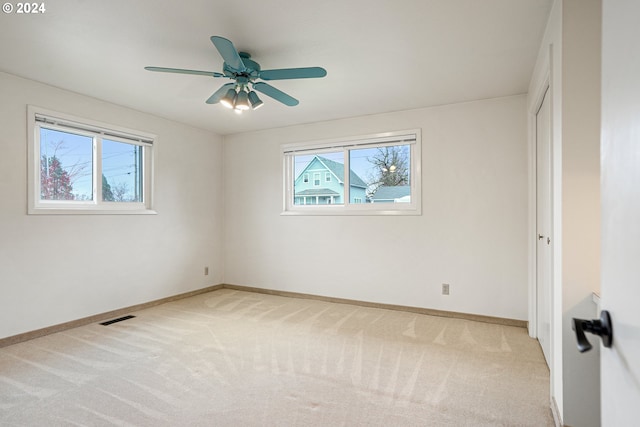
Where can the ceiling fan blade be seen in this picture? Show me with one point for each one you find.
(293, 73)
(217, 95)
(228, 52)
(276, 94)
(181, 71)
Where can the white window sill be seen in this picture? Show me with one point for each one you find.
(339, 210)
(59, 211)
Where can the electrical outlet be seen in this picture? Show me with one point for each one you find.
(445, 289)
(206, 271)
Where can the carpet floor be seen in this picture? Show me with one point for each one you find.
(234, 358)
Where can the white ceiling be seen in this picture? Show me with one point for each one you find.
(380, 55)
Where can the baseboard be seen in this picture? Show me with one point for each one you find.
(557, 418)
(418, 310)
(15, 339)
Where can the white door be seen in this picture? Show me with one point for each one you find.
(543, 225)
(620, 195)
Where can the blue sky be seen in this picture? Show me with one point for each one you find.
(75, 152)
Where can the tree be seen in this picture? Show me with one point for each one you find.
(390, 167)
(120, 191)
(107, 194)
(55, 182)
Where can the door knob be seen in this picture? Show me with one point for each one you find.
(601, 327)
(540, 236)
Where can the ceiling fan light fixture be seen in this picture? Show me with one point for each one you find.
(254, 100)
(242, 101)
(239, 66)
(229, 99)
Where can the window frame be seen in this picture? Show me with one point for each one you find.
(38, 118)
(412, 138)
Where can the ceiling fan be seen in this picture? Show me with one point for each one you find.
(238, 66)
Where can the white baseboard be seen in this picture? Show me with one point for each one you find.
(557, 417)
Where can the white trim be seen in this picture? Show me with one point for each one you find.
(548, 73)
(397, 137)
(555, 412)
(92, 126)
(38, 118)
(539, 86)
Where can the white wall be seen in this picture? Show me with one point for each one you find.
(472, 233)
(60, 268)
(581, 38)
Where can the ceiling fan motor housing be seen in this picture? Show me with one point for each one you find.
(251, 71)
(240, 67)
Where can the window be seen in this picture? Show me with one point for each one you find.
(375, 174)
(80, 166)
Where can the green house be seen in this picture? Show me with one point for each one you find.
(322, 183)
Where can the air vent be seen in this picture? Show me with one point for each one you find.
(119, 319)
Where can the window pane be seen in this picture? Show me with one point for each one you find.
(66, 166)
(318, 191)
(121, 172)
(384, 172)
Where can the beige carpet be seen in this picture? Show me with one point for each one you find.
(231, 358)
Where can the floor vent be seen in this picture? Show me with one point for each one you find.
(119, 319)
